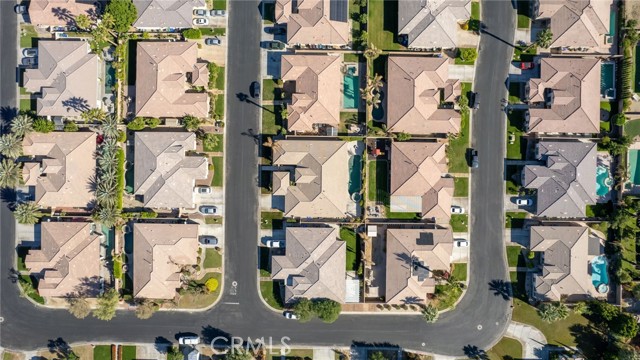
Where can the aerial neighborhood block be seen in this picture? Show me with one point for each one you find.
(165, 14)
(573, 264)
(313, 265)
(418, 90)
(314, 82)
(164, 175)
(160, 251)
(61, 168)
(67, 263)
(50, 13)
(565, 182)
(418, 184)
(314, 21)
(61, 79)
(431, 23)
(166, 75)
(566, 97)
(412, 257)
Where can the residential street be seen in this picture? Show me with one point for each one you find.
(479, 320)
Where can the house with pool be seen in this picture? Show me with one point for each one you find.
(571, 264)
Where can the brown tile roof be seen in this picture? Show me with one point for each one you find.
(164, 175)
(417, 182)
(416, 87)
(59, 12)
(577, 23)
(68, 260)
(311, 22)
(314, 82)
(63, 170)
(64, 68)
(575, 84)
(412, 255)
(432, 23)
(314, 264)
(166, 13)
(159, 252)
(164, 72)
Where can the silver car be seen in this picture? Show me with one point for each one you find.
(200, 12)
(208, 210)
(208, 240)
(30, 52)
(202, 189)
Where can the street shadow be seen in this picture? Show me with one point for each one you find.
(161, 344)
(501, 288)
(252, 134)
(7, 113)
(60, 348)
(214, 336)
(475, 353)
(484, 30)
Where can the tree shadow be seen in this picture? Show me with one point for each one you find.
(161, 344)
(63, 14)
(76, 104)
(210, 334)
(7, 113)
(591, 341)
(88, 286)
(501, 288)
(475, 353)
(60, 348)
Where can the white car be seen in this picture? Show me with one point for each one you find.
(457, 210)
(218, 13)
(524, 202)
(275, 243)
(189, 340)
(200, 21)
(461, 243)
(290, 315)
(202, 189)
(200, 12)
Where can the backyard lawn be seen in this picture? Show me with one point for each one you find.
(102, 352)
(219, 145)
(515, 126)
(461, 187)
(218, 171)
(459, 222)
(514, 219)
(271, 120)
(353, 248)
(631, 128)
(212, 259)
(378, 179)
(383, 24)
(271, 90)
(457, 149)
(459, 271)
(514, 256)
(271, 294)
(507, 348)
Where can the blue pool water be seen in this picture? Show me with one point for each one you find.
(351, 91)
(607, 80)
(603, 181)
(599, 276)
(355, 171)
(109, 77)
(634, 169)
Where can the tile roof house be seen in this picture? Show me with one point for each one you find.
(62, 78)
(166, 74)
(313, 177)
(159, 253)
(62, 168)
(418, 184)
(313, 265)
(431, 23)
(577, 23)
(566, 179)
(44, 13)
(314, 82)
(567, 253)
(566, 97)
(166, 14)
(163, 173)
(68, 261)
(314, 21)
(416, 88)
(412, 257)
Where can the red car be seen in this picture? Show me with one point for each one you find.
(526, 65)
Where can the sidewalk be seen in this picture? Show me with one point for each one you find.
(533, 341)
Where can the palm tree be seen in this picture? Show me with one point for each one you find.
(107, 215)
(110, 127)
(83, 22)
(10, 174)
(553, 312)
(430, 314)
(22, 125)
(106, 192)
(10, 145)
(372, 53)
(27, 213)
(621, 177)
(93, 114)
(271, 144)
(544, 38)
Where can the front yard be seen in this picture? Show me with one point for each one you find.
(270, 291)
(218, 171)
(212, 259)
(272, 122)
(507, 348)
(458, 145)
(461, 187)
(515, 257)
(514, 219)
(516, 146)
(459, 222)
(271, 90)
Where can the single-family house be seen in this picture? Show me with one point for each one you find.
(165, 14)
(53, 13)
(324, 22)
(431, 23)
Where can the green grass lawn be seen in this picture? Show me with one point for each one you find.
(605, 126)
(631, 128)
(353, 248)
(102, 352)
(460, 61)
(461, 187)
(523, 21)
(211, 220)
(271, 120)
(378, 181)
(475, 10)
(515, 127)
(514, 253)
(220, 78)
(383, 24)
(219, 146)
(514, 92)
(33, 292)
(212, 259)
(457, 149)
(271, 294)
(21, 252)
(512, 186)
(219, 106)
(27, 33)
(524, 53)
(128, 352)
(350, 57)
(263, 261)
(218, 171)
(459, 271)
(605, 105)
(459, 222)
(507, 348)
(27, 105)
(601, 210)
(628, 252)
(271, 90)
(514, 219)
(271, 220)
(447, 295)
(401, 215)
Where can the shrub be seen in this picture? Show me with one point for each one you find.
(136, 124)
(43, 125)
(191, 123)
(467, 54)
(70, 126)
(152, 122)
(620, 119)
(430, 314)
(148, 215)
(192, 33)
(122, 136)
(211, 285)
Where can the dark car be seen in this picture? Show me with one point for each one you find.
(255, 89)
(276, 30)
(275, 45)
(474, 101)
(474, 159)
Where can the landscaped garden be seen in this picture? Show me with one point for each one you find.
(270, 291)
(458, 145)
(353, 248)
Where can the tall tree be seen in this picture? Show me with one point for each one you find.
(544, 38)
(11, 145)
(107, 303)
(124, 13)
(79, 307)
(27, 213)
(430, 314)
(83, 22)
(93, 114)
(10, 174)
(22, 125)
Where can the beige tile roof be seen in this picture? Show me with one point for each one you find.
(314, 82)
(166, 13)
(576, 90)
(63, 168)
(159, 252)
(577, 23)
(417, 182)
(411, 252)
(164, 70)
(566, 261)
(59, 12)
(320, 170)
(314, 264)
(416, 87)
(164, 175)
(432, 23)
(312, 23)
(68, 260)
(66, 77)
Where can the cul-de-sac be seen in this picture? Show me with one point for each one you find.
(319, 179)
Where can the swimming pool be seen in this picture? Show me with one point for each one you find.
(109, 77)
(355, 171)
(351, 91)
(607, 80)
(603, 180)
(634, 170)
(599, 276)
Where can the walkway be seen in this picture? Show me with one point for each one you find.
(531, 338)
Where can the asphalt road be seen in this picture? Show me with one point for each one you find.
(478, 321)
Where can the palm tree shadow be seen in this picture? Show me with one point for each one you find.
(475, 353)
(501, 288)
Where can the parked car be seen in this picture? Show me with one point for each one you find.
(255, 89)
(208, 210)
(218, 13)
(457, 209)
(461, 243)
(474, 159)
(290, 315)
(30, 52)
(200, 12)
(275, 45)
(526, 65)
(200, 21)
(29, 61)
(277, 30)
(202, 189)
(208, 240)
(275, 243)
(212, 41)
(524, 202)
(20, 9)
(189, 340)
(474, 101)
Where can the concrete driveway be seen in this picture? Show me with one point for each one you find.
(510, 203)
(213, 53)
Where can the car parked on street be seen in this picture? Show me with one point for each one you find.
(30, 52)
(255, 89)
(200, 12)
(524, 202)
(200, 21)
(457, 209)
(290, 315)
(208, 240)
(202, 189)
(461, 243)
(208, 210)
(189, 340)
(212, 41)
(474, 101)
(474, 159)
(275, 243)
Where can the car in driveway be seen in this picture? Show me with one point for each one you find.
(30, 52)
(524, 202)
(200, 21)
(29, 61)
(208, 240)
(208, 210)
(526, 65)
(275, 45)
(290, 315)
(457, 209)
(200, 12)
(460, 243)
(255, 89)
(474, 159)
(189, 340)
(212, 41)
(20, 9)
(276, 30)
(275, 244)
(202, 189)
(218, 13)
